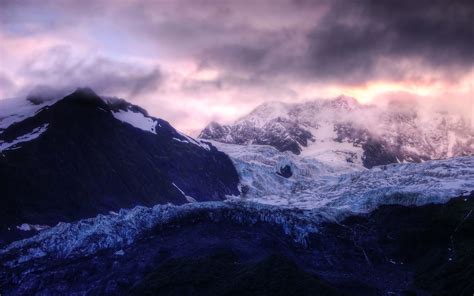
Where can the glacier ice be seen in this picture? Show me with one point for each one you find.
(315, 184)
(89, 236)
(297, 206)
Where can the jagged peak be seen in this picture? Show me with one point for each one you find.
(271, 110)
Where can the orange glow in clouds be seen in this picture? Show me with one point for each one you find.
(436, 89)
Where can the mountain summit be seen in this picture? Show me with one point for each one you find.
(342, 132)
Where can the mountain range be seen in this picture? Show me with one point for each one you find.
(343, 132)
(327, 197)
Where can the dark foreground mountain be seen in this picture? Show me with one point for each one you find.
(239, 249)
(344, 133)
(85, 155)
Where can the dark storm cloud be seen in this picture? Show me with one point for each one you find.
(356, 41)
(354, 36)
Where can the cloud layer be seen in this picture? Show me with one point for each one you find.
(195, 61)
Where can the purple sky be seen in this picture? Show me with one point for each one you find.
(191, 62)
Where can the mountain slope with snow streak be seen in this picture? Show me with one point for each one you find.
(84, 154)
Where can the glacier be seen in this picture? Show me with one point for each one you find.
(314, 184)
(116, 231)
(298, 205)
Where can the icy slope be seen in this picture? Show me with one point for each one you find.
(314, 184)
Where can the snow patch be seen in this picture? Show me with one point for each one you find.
(179, 140)
(188, 198)
(35, 133)
(31, 227)
(137, 120)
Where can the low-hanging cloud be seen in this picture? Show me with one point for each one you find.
(61, 68)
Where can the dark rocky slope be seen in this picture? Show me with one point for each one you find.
(88, 162)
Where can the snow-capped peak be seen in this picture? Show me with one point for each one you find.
(342, 130)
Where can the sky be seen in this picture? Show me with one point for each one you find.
(192, 62)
